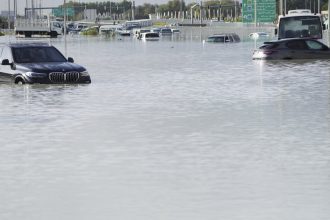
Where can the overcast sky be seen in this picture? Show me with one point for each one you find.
(54, 3)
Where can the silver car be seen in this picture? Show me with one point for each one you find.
(293, 48)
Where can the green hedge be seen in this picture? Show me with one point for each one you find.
(91, 31)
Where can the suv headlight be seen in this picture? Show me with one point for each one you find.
(35, 75)
(85, 73)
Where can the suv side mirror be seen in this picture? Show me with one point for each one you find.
(5, 62)
(70, 60)
(275, 31)
(324, 27)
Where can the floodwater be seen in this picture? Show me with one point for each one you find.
(170, 130)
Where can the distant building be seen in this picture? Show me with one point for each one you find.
(90, 14)
(5, 14)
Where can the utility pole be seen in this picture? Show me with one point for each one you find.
(9, 14)
(201, 12)
(180, 9)
(328, 24)
(235, 11)
(191, 12)
(255, 13)
(64, 30)
(64, 18)
(133, 7)
(32, 6)
(110, 11)
(15, 11)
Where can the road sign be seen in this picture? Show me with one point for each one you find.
(266, 11)
(58, 12)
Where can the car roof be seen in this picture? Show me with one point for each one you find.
(289, 39)
(223, 34)
(28, 44)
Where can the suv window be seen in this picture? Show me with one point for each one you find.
(219, 39)
(314, 45)
(6, 54)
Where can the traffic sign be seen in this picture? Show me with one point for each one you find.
(266, 11)
(59, 12)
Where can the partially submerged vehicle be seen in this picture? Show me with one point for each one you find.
(38, 27)
(165, 31)
(259, 35)
(224, 38)
(139, 31)
(294, 48)
(109, 30)
(39, 63)
(149, 36)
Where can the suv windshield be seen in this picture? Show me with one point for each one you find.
(37, 55)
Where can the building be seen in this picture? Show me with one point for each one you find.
(5, 14)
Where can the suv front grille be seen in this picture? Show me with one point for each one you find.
(59, 77)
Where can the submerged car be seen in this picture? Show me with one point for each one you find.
(39, 63)
(149, 36)
(258, 35)
(293, 48)
(224, 38)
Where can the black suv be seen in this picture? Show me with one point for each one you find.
(38, 63)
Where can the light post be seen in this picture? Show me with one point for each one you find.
(8, 14)
(64, 17)
(201, 13)
(133, 7)
(110, 11)
(328, 23)
(191, 12)
(255, 13)
(219, 11)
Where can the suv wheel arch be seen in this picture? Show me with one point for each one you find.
(19, 80)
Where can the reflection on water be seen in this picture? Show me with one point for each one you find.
(168, 130)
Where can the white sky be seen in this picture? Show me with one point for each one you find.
(53, 3)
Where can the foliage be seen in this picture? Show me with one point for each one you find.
(101, 7)
(142, 12)
(90, 31)
(160, 24)
(172, 5)
(3, 23)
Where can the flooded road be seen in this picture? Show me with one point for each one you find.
(168, 130)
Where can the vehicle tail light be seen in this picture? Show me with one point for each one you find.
(268, 52)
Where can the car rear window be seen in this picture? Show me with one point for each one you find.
(37, 55)
(297, 45)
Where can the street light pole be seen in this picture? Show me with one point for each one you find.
(8, 14)
(110, 11)
(255, 13)
(64, 30)
(191, 12)
(328, 24)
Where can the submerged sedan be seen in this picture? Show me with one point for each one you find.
(293, 48)
(38, 63)
(223, 38)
